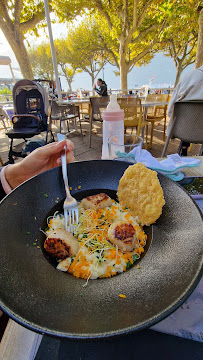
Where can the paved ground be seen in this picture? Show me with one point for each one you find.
(82, 150)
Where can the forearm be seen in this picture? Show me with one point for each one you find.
(14, 175)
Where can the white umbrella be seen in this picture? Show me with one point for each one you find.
(5, 60)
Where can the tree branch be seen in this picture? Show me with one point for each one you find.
(144, 10)
(4, 13)
(144, 52)
(31, 23)
(100, 8)
(193, 45)
(137, 21)
(17, 11)
(173, 48)
(188, 63)
(135, 14)
(125, 16)
(144, 32)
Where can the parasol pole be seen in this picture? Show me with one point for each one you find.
(46, 6)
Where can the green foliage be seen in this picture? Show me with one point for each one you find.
(128, 29)
(179, 38)
(83, 48)
(41, 61)
(5, 91)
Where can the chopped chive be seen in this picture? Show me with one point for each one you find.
(128, 265)
(46, 195)
(135, 257)
(28, 232)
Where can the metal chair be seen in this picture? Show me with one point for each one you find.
(187, 123)
(4, 118)
(133, 117)
(98, 104)
(159, 113)
(66, 112)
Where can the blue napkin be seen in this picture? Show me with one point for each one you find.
(171, 167)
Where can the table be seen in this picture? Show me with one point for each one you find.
(18, 343)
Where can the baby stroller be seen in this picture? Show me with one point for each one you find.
(31, 105)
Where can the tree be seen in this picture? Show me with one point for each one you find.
(83, 48)
(129, 28)
(41, 61)
(17, 17)
(199, 57)
(179, 38)
(69, 74)
(63, 55)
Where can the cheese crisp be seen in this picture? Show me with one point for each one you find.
(139, 189)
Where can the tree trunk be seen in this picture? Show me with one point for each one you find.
(93, 78)
(199, 55)
(123, 68)
(69, 84)
(179, 70)
(16, 42)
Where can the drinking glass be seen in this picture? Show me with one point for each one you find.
(129, 150)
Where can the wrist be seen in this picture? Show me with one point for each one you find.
(14, 175)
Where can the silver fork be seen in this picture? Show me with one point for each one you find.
(70, 205)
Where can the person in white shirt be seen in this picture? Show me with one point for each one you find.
(189, 88)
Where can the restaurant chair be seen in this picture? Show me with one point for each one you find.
(187, 124)
(133, 117)
(84, 111)
(98, 105)
(66, 112)
(158, 113)
(4, 118)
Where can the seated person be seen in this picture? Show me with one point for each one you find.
(102, 88)
(189, 88)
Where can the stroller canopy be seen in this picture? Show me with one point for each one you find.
(30, 85)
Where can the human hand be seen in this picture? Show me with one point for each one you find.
(94, 86)
(42, 159)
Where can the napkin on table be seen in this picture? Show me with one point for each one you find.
(170, 167)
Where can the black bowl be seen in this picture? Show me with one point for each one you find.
(38, 296)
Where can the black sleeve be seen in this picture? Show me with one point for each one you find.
(2, 192)
(103, 89)
(98, 91)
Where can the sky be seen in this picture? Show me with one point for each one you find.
(162, 68)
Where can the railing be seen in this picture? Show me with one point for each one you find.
(120, 92)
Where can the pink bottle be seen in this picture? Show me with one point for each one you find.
(113, 124)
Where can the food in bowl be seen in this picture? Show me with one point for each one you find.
(110, 240)
(109, 237)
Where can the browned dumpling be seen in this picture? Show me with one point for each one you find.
(98, 201)
(123, 235)
(61, 244)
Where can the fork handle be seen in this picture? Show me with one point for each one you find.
(64, 165)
